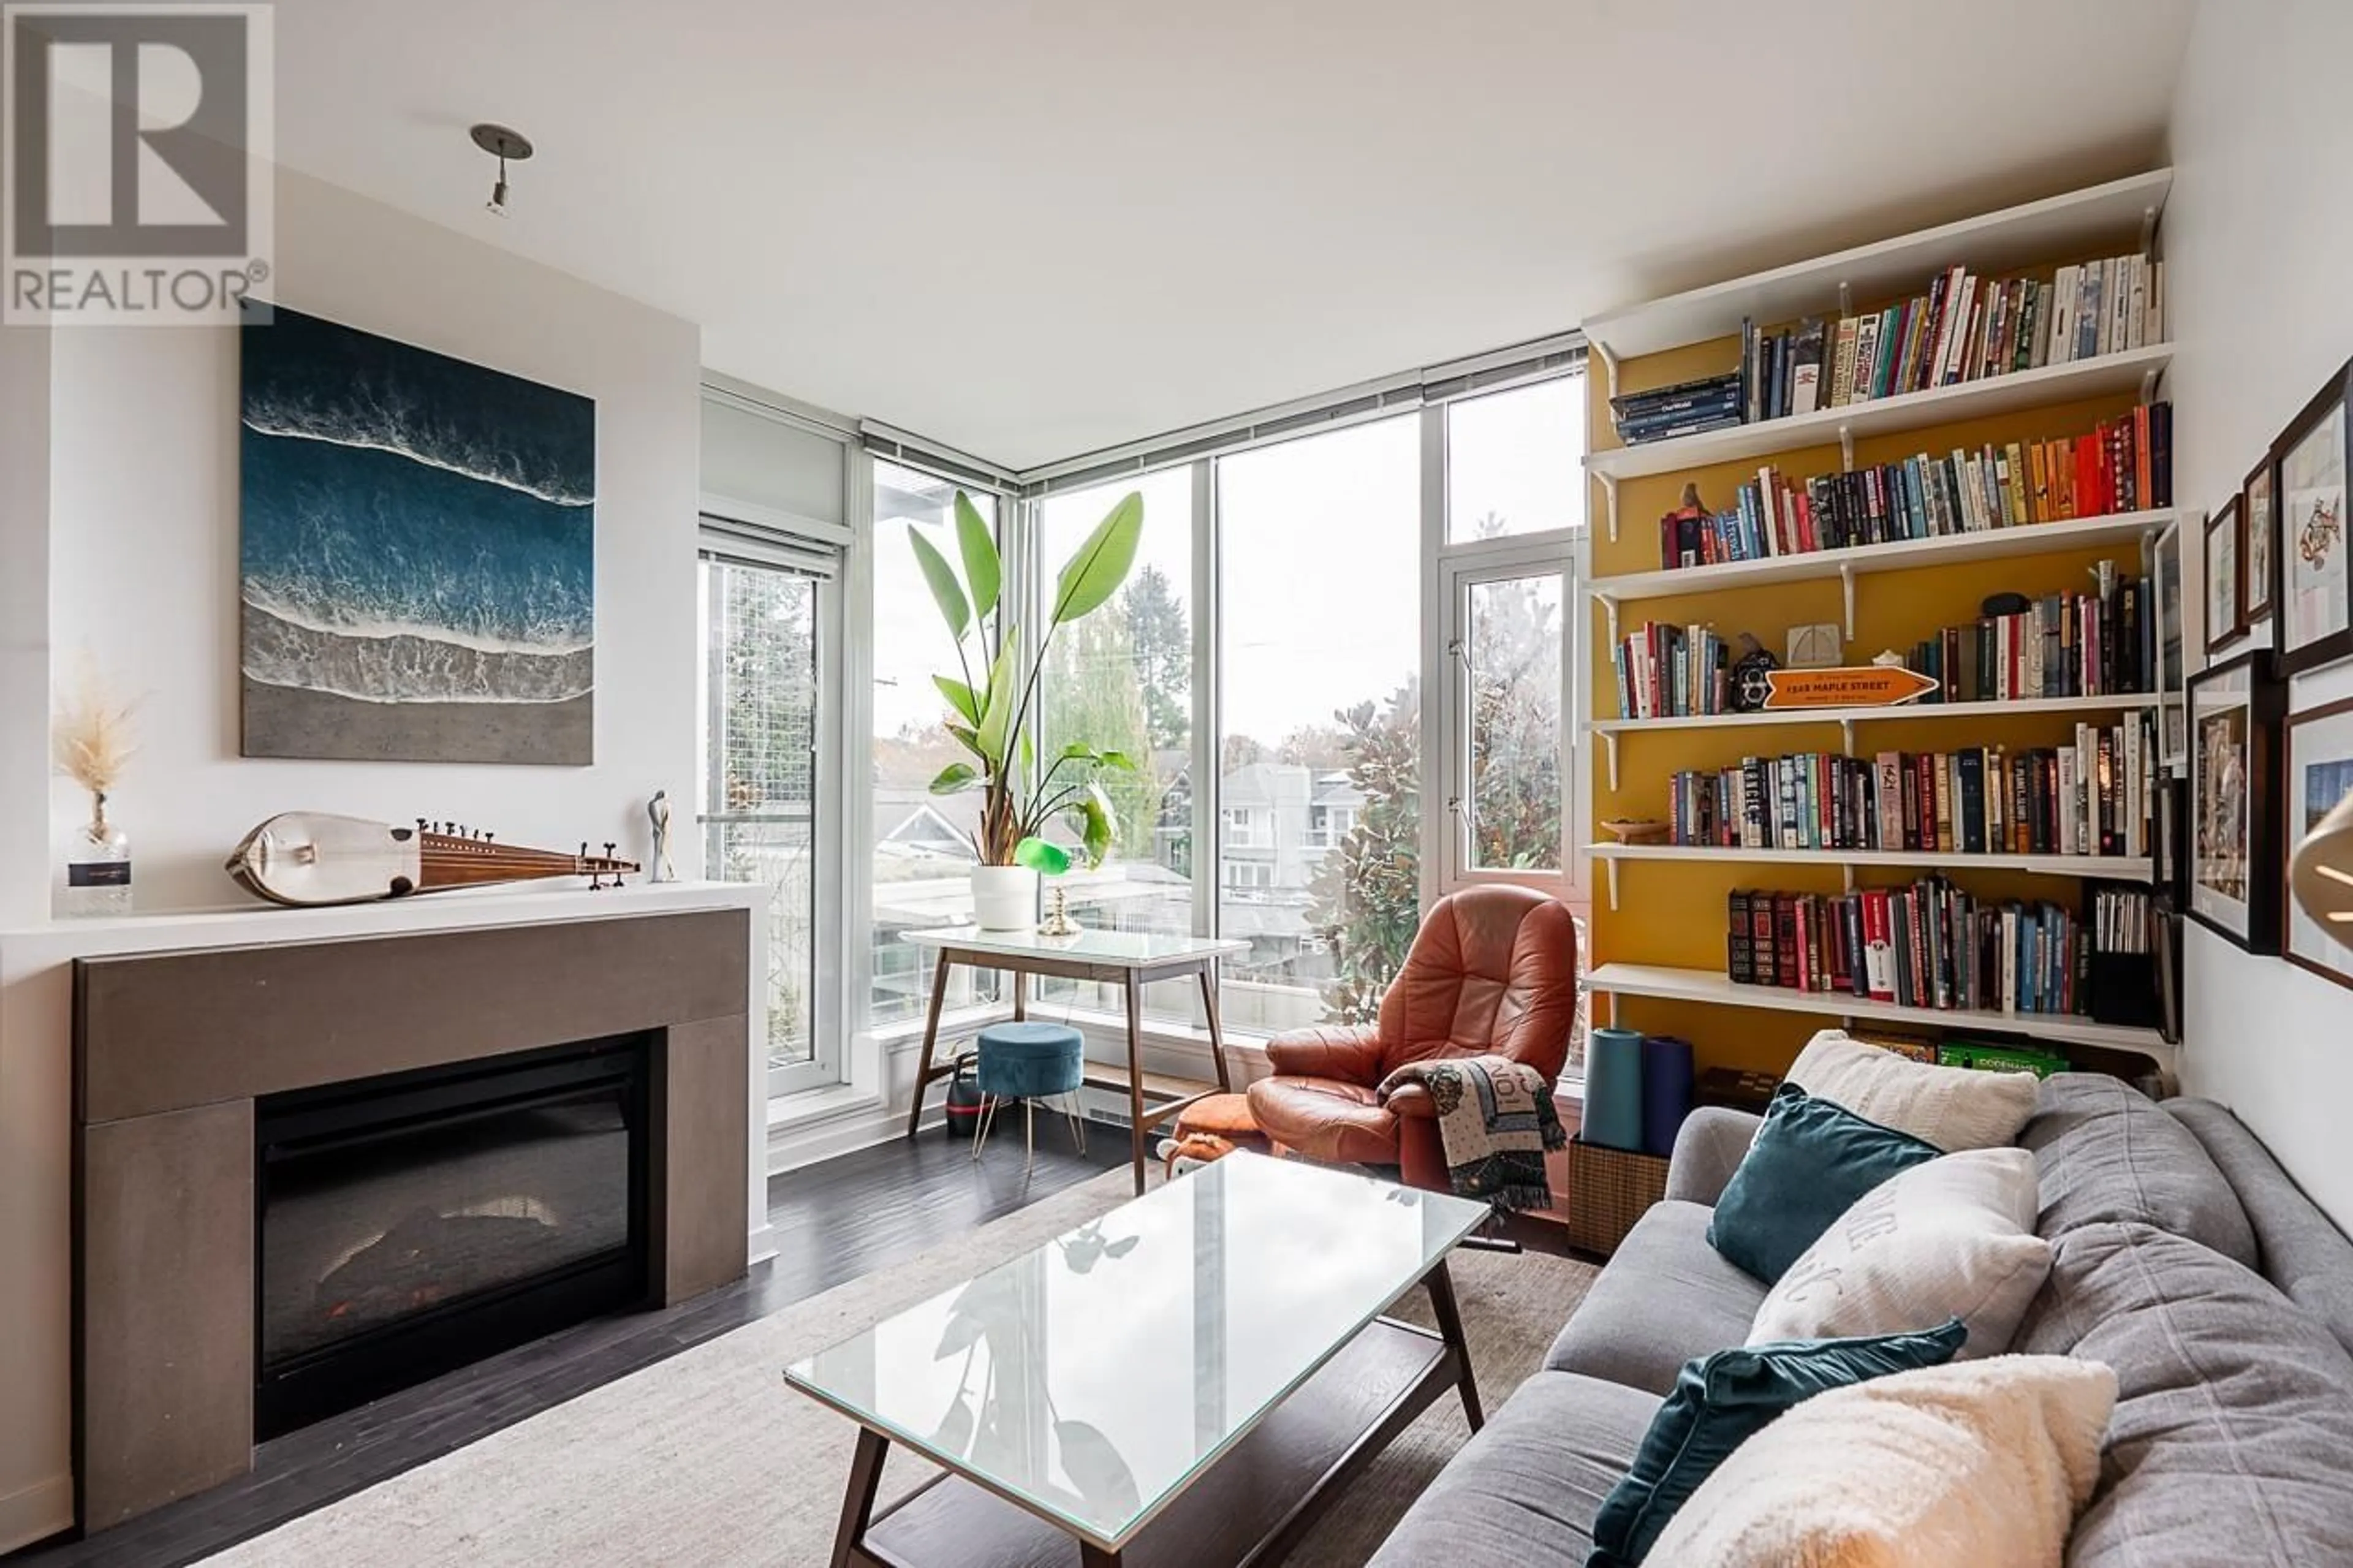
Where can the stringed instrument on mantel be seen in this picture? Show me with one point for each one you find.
(311, 858)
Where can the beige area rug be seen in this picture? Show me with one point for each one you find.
(707, 1458)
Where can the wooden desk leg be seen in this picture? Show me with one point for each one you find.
(858, 1504)
(1135, 1129)
(1209, 974)
(1450, 1328)
(931, 1042)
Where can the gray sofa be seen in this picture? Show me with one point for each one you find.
(2183, 1257)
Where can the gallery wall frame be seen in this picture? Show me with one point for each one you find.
(2225, 556)
(2311, 591)
(2236, 861)
(2259, 531)
(2317, 774)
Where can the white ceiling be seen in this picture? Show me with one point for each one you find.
(1032, 228)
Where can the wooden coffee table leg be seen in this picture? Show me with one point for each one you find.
(1207, 972)
(1096, 1557)
(1450, 1328)
(858, 1506)
(1137, 1131)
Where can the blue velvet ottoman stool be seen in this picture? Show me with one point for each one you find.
(1029, 1061)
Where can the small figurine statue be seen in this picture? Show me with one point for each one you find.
(658, 813)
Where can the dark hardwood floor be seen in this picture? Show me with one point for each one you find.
(834, 1222)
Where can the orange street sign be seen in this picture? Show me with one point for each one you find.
(1856, 686)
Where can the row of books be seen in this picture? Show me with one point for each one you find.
(1929, 944)
(1671, 672)
(2093, 797)
(2101, 644)
(2124, 465)
(1963, 329)
(1686, 408)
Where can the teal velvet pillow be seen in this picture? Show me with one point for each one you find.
(1812, 1160)
(1722, 1400)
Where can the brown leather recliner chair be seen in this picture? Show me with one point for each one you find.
(1493, 972)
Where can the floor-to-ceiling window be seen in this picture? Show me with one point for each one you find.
(923, 843)
(770, 613)
(1319, 761)
(1122, 678)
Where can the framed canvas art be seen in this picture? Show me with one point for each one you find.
(2319, 775)
(416, 554)
(2259, 509)
(2172, 731)
(2235, 863)
(2224, 602)
(2313, 600)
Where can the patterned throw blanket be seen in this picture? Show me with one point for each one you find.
(1496, 1120)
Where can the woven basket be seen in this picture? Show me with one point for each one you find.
(1609, 1189)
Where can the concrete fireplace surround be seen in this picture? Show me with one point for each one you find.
(171, 1049)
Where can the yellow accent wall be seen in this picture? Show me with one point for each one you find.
(1676, 913)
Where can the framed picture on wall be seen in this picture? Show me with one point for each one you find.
(2172, 730)
(2313, 597)
(2235, 861)
(2319, 774)
(2224, 602)
(2258, 508)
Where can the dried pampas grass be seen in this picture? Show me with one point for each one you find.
(90, 736)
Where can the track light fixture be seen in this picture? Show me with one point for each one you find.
(502, 143)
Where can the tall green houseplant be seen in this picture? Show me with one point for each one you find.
(990, 716)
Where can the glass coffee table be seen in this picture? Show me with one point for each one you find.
(1188, 1379)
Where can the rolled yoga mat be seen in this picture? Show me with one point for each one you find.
(1613, 1089)
(1666, 1091)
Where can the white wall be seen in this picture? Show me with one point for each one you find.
(24, 620)
(144, 538)
(2257, 239)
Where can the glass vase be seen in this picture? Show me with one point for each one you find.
(98, 866)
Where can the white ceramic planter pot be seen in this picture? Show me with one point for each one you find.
(1005, 898)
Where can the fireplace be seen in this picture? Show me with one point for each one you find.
(411, 1223)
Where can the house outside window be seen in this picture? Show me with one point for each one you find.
(1248, 827)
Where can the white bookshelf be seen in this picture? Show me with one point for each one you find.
(2129, 370)
(2123, 868)
(2103, 219)
(1706, 986)
(1846, 719)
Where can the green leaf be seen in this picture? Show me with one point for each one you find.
(1119, 760)
(982, 567)
(946, 591)
(967, 737)
(1093, 574)
(1029, 755)
(1046, 859)
(960, 697)
(955, 777)
(1099, 824)
(997, 708)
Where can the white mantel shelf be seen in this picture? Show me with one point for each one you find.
(246, 923)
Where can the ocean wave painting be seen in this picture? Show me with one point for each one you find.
(417, 553)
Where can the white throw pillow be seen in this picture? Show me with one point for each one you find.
(1953, 1108)
(1950, 1239)
(1949, 1467)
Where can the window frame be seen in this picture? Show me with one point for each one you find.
(765, 537)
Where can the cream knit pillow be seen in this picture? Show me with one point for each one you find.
(1967, 1466)
(1953, 1108)
(1950, 1239)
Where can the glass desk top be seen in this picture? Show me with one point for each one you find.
(1135, 948)
(1092, 1380)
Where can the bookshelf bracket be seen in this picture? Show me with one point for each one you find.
(1612, 864)
(1609, 489)
(1608, 359)
(1846, 586)
(1846, 735)
(2147, 387)
(1846, 449)
(1610, 744)
(2147, 229)
(1610, 608)
(1846, 299)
